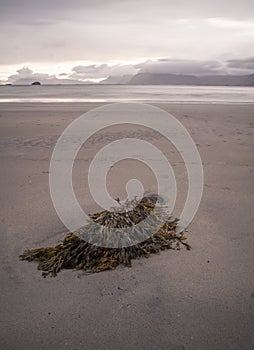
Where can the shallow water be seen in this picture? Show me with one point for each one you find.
(127, 93)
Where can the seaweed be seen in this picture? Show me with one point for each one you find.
(76, 253)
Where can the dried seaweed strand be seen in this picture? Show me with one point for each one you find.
(75, 253)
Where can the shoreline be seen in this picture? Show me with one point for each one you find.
(131, 101)
(59, 106)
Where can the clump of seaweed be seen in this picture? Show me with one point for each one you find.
(76, 253)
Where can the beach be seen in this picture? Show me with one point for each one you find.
(197, 299)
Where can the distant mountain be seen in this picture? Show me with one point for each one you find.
(163, 79)
(179, 79)
(230, 80)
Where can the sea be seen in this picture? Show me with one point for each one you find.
(126, 93)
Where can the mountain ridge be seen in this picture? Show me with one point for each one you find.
(147, 78)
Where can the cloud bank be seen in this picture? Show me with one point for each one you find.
(117, 73)
(25, 76)
(55, 31)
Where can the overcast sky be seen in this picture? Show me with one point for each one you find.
(80, 39)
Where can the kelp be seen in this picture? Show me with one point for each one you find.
(76, 253)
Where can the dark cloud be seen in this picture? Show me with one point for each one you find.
(127, 9)
(247, 63)
(170, 66)
(38, 23)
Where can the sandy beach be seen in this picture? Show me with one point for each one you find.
(192, 300)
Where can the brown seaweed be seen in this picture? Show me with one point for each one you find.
(76, 253)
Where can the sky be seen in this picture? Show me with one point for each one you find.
(79, 40)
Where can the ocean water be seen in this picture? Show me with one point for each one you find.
(126, 93)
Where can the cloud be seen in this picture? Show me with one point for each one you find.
(122, 73)
(94, 68)
(111, 31)
(102, 71)
(247, 63)
(229, 23)
(171, 66)
(129, 9)
(25, 76)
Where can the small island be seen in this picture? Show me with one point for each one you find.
(36, 83)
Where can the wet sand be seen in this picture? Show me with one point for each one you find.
(198, 299)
